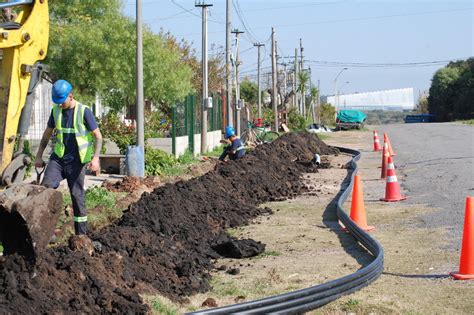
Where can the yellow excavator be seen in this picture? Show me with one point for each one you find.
(28, 213)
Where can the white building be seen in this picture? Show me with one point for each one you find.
(397, 99)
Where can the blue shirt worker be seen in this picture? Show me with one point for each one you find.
(235, 150)
(74, 150)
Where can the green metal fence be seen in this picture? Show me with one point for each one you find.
(186, 119)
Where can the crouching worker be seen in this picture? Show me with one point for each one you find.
(74, 150)
(235, 150)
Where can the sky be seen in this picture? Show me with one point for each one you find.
(383, 44)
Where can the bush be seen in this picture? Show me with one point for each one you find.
(157, 162)
(296, 121)
(187, 158)
(116, 130)
(156, 126)
(327, 113)
(267, 112)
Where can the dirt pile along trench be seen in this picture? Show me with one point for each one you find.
(166, 241)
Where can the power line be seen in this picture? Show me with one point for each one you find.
(349, 20)
(379, 65)
(338, 64)
(170, 17)
(243, 20)
(190, 11)
(368, 18)
(295, 6)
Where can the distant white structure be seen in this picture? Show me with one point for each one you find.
(397, 99)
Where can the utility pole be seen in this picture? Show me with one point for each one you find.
(318, 103)
(140, 104)
(335, 92)
(237, 83)
(274, 80)
(285, 83)
(228, 70)
(297, 103)
(313, 109)
(205, 98)
(259, 107)
(303, 97)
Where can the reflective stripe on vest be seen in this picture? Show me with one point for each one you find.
(80, 219)
(240, 148)
(83, 136)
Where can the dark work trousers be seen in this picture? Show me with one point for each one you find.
(74, 173)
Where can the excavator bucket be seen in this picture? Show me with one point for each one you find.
(28, 216)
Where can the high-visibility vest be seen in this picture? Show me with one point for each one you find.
(84, 137)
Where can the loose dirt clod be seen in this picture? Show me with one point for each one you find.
(167, 240)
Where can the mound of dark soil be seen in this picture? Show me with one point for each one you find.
(166, 241)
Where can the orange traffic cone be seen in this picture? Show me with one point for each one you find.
(358, 208)
(392, 188)
(377, 146)
(390, 150)
(466, 265)
(385, 155)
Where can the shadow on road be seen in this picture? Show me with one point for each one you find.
(415, 276)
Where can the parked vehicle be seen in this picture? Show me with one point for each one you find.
(419, 118)
(350, 119)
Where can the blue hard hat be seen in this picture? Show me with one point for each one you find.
(229, 132)
(61, 90)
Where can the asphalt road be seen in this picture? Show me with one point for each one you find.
(435, 164)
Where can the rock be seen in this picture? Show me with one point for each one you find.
(81, 243)
(233, 271)
(209, 302)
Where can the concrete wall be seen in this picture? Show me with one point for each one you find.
(213, 140)
(165, 144)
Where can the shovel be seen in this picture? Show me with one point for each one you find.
(39, 172)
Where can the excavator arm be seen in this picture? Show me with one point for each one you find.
(28, 213)
(23, 42)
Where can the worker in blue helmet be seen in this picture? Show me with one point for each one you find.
(235, 150)
(78, 144)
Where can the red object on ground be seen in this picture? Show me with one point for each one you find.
(357, 207)
(466, 264)
(377, 146)
(392, 188)
(390, 149)
(385, 155)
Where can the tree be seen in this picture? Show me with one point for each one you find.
(327, 113)
(249, 92)
(442, 92)
(422, 104)
(92, 44)
(452, 91)
(303, 80)
(216, 69)
(314, 95)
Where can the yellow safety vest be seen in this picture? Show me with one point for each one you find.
(84, 137)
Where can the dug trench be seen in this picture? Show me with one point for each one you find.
(167, 241)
